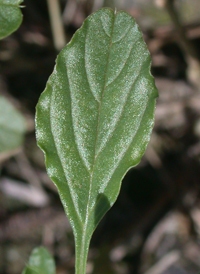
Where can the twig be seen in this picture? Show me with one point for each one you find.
(97, 4)
(7, 154)
(27, 171)
(191, 53)
(185, 43)
(69, 11)
(24, 193)
(56, 24)
(168, 260)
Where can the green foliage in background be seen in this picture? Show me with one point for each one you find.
(40, 262)
(12, 123)
(95, 118)
(12, 127)
(10, 16)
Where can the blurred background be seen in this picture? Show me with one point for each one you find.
(154, 227)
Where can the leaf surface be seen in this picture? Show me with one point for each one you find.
(12, 126)
(10, 16)
(40, 262)
(95, 117)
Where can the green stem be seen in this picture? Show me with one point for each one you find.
(82, 242)
(56, 24)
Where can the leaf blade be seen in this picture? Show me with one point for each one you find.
(10, 17)
(12, 127)
(100, 113)
(40, 262)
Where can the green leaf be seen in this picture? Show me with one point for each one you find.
(40, 262)
(12, 126)
(95, 118)
(10, 16)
